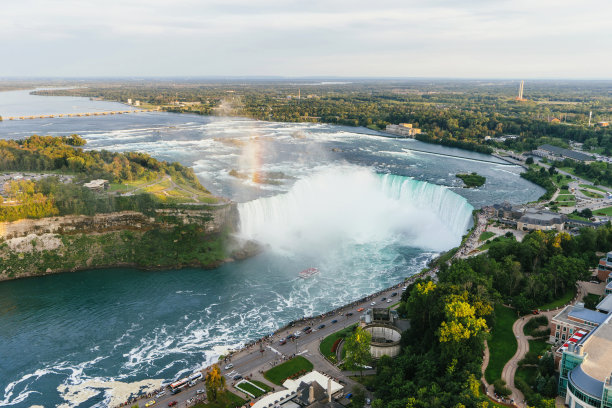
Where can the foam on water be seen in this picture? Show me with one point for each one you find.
(349, 204)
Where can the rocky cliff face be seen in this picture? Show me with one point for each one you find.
(170, 238)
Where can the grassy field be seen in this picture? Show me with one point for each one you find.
(576, 217)
(232, 401)
(593, 187)
(486, 235)
(591, 194)
(603, 211)
(256, 392)
(328, 342)
(538, 347)
(280, 373)
(261, 385)
(502, 344)
(566, 197)
(498, 239)
(563, 300)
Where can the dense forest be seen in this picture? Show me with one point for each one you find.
(457, 113)
(64, 155)
(440, 363)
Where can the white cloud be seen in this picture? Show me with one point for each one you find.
(478, 38)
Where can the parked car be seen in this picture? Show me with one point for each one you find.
(305, 329)
(150, 403)
(290, 336)
(383, 299)
(373, 303)
(237, 377)
(394, 294)
(160, 394)
(536, 311)
(172, 403)
(229, 366)
(359, 310)
(282, 341)
(200, 391)
(389, 300)
(321, 326)
(334, 321)
(308, 331)
(349, 314)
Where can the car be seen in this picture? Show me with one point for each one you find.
(237, 377)
(359, 310)
(150, 403)
(334, 321)
(172, 403)
(349, 314)
(394, 294)
(305, 329)
(160, 394)
(535, 312)
(405, 288)
(290, 336)
(321, 326)
(282, 341)
(192, 383)
(200, 391)
(368, 401)
(308, 331)
(389, 301)
(176, 391)
(349, 395)
(373, 303)
(229, 366)
(297, 334)
(383, 299)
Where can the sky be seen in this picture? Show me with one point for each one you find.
(339, 38)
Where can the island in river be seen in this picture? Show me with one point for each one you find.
(472, 180)
(64, 209)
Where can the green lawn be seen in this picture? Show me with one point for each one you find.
(576, 217)
(591, 194)
(232, 401)
(563, 300)
(261, 385)
(538, 347)
(502, 344)
(280, 373)
(328, 342)
(593, 187)
(566, 197)
(486, 235)
(498, 239)
(256, 392)
(604, 211)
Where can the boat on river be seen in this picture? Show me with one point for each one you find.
(308, 273)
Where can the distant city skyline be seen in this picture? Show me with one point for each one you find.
(241, 38)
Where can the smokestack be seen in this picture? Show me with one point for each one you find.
(311, 394)
(329, 390)
(590, 116)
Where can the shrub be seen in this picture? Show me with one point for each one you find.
(500, 388)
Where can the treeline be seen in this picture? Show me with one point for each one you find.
(598, 172)
(541, 178)
(458, 112)
(441, 357)
(64, 154)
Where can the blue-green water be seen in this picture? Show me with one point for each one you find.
(365, 210)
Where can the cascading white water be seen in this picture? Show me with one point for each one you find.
(354, 205)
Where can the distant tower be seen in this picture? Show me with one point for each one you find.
(590, 116)
(299, 94)
(520, 94)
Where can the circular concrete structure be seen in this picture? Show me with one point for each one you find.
(385, 340)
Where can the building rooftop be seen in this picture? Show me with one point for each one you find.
(598, 347)
(541, 217)
(563, 317)
(606, 304)
(585, 382)
(566, 152)
(582, 313)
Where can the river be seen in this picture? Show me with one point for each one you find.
(365, 210)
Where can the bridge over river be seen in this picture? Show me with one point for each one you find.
(72, 115)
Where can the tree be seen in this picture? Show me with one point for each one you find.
(529, 161)
(358, 400)
(357, 348)
(215, 383)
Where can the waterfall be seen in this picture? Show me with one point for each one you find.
(354, 205)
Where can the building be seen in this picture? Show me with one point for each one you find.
(555, 120)
(604, 268)
(541, 220)
(508, 211)
(382, 324)
(572, 319)
(551, 152)
(605, 306)
(98, 185)
(403, 129)
(312, 390)
(585, 379)
(603, 124)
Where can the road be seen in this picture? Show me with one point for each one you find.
(252, 361)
